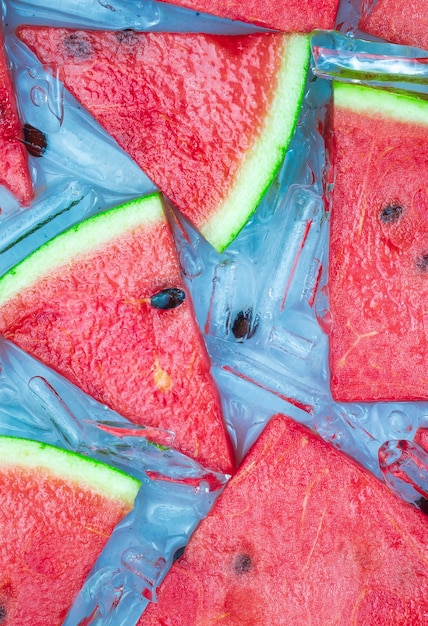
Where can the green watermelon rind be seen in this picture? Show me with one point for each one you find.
(87, 236)
(263, 161)
(109, 482)
(374, 102)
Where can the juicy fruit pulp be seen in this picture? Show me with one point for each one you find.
(83, 305)
(207, 117)
(378, 246)
(288, 16)
(57, 512)
(14, 170)
(399, 21)
(301, 535)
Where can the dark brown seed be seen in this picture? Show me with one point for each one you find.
(78, 45)
(391, 213)
(422, 262)
(127, 36)
(243, 564)
(169, 298)
(178, 553)
(3, 614)
(422, 504)
(242, 327)
(35, 140)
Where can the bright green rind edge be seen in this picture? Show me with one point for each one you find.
(109, 482)
(374, 102)
(87, 236)
(264, 159)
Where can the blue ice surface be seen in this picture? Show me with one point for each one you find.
(272, 279)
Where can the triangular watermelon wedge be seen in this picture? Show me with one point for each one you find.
(207, 117)
(301, 535)
(288, 16)
(14, 169)
(378, 276)
(399, 21)
(57, 511)
(104, 304)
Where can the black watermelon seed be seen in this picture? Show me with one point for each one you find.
(127, 36)
(243, 564)
(178, 553)
(242, 327)
(391, 213)
(422, 262)
(3, 614)
(422, 504)
(78, 45)
(169, 298)
(35, 140)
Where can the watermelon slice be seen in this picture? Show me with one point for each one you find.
(379, 246)
(104, 304)
(208, 117)
(14, 170)
(399, 21)
(301, 535)
(288, 16)
(57, 512)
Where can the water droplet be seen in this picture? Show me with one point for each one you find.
(400, 423)
(38, 96)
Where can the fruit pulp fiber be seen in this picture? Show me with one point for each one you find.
(300, 535)
(378, 276)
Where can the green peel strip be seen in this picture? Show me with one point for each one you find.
(377, 102)
(69, 466)
(88, 236)
(263, 161)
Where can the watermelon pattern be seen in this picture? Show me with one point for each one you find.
(54, 505)
(270, 549)
(301, 534)
(399, 21)
(104, 305)
(215, 173)
(378, 282)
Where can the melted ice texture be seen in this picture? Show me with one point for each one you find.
(262, 305)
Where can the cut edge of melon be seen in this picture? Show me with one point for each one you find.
(372, 101)
(263, 161)
(87, 236)
(17, 180)
(83, 471)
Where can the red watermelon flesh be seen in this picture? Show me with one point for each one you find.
(207, 117)
(57, 512)
(399, 21)
(301, 535)
(82, 304)
(288, 16)
(378, 278)
(14, 170)
(421, 438)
